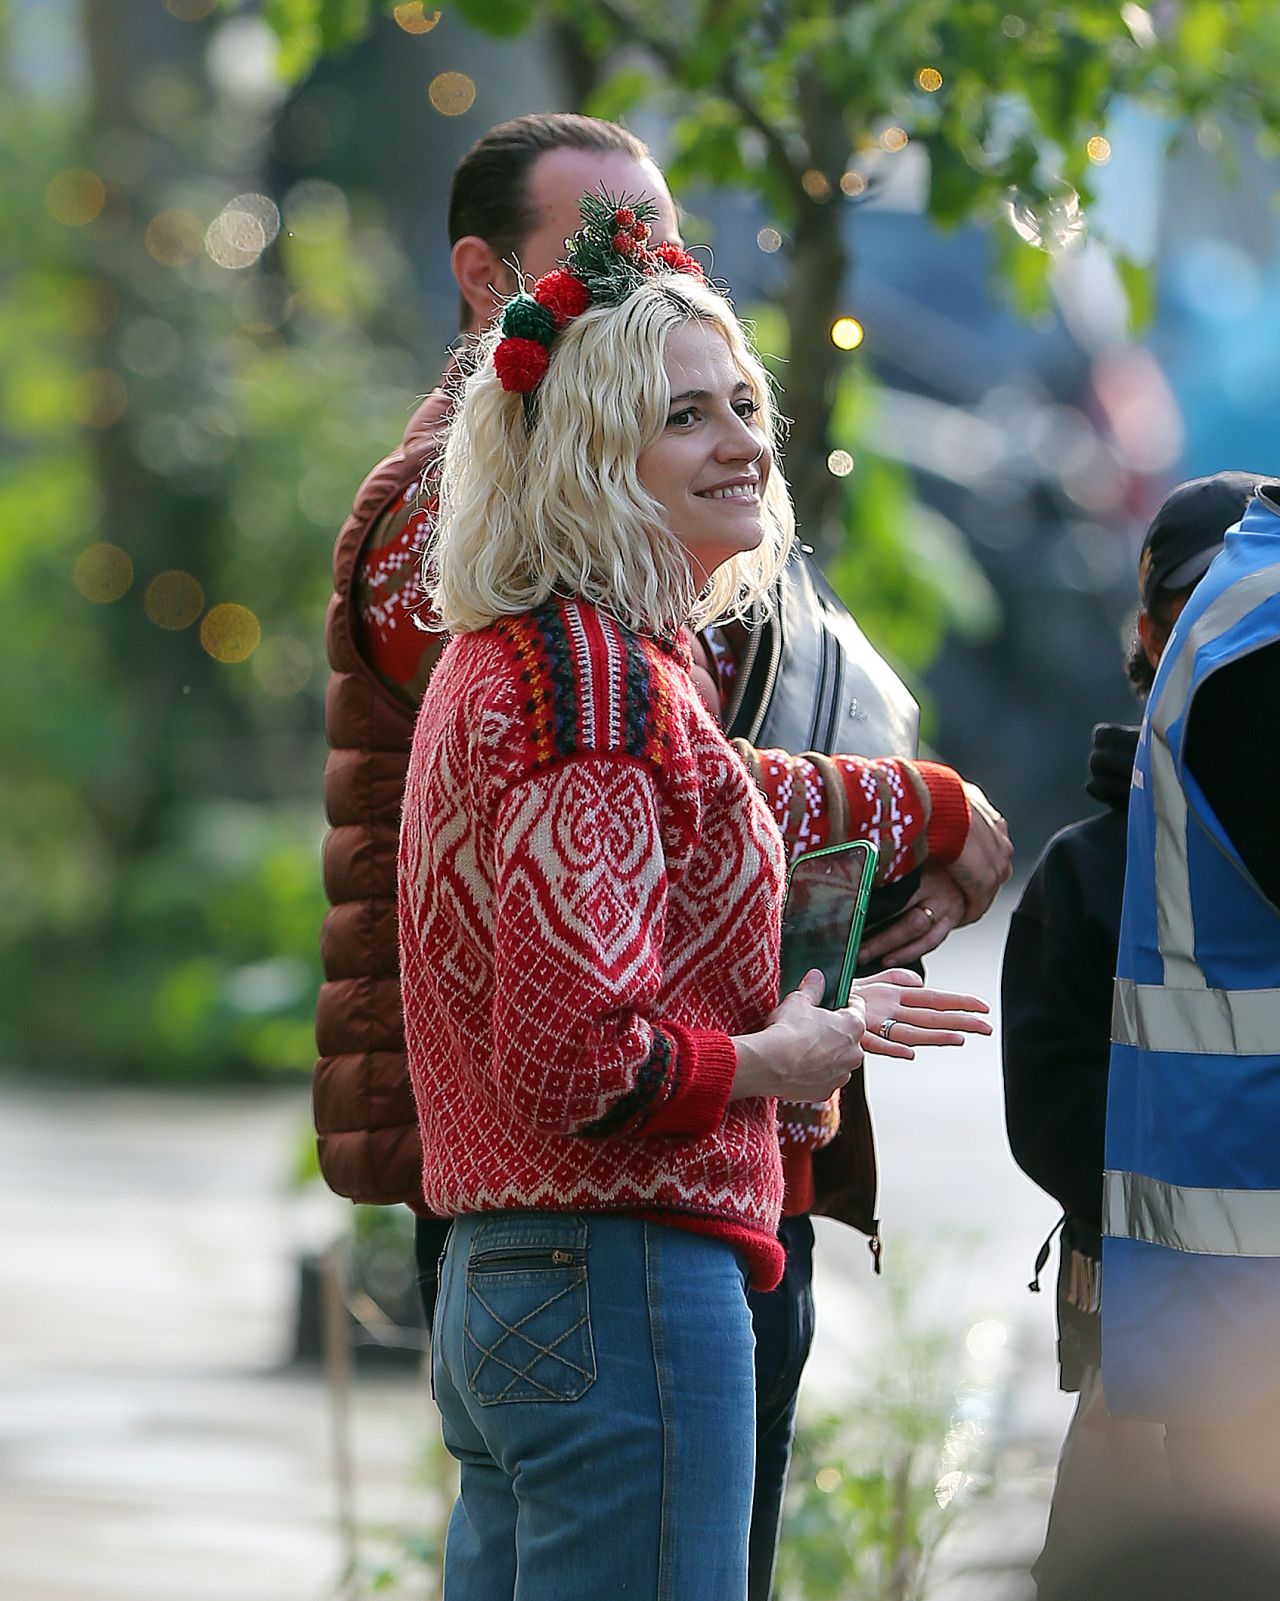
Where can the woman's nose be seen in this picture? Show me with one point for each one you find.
(740, 441)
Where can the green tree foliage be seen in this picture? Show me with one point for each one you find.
(807, 103)
(183, 431)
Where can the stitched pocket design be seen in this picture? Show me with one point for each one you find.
(527, 1315)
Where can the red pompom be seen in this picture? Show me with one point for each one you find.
(679, 260)
(624, 216)
(640, 232)
(623, 243)
(562, 294)
(521, 364)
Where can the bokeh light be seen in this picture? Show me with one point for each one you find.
(103, 397)
(839, 463)
(769, 240)
(894, 139)
(173, 599)
(852, 183)
(929, 79)
(828, 1479)
(1012, 26)
(816, 184)
(1098, 150)
(75, 197)
(847, 333)
(452, 93)
(415, 18)
(230, 633)
(149, 346)
(103, 573)
(284, 665)
(316, 210)
(173, 237)
(986, 1338)
(242, 230)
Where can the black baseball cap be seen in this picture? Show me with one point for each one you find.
(1187, 532)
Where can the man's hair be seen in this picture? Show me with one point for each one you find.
(1142, 675)
(489, 196)
(543, 497)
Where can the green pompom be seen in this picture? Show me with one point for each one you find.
(524, 318)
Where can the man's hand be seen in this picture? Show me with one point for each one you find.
(933, 911)
(987, 858)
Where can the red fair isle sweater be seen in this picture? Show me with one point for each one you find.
(590, 894)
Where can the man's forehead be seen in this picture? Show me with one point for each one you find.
(559, 179)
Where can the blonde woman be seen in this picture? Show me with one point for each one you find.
(590, 898)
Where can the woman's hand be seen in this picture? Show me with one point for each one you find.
(902, 1014)
(804, 1052)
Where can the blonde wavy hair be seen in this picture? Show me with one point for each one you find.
(544, 499)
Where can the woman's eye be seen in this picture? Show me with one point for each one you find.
(679, 419)
(747, 409)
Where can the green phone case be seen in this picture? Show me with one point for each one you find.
(834, 946)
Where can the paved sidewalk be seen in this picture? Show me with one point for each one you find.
(152, 1444)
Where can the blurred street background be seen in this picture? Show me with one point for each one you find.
(1016, 266)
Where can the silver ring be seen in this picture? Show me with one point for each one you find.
(886, 1026)
(930, 913)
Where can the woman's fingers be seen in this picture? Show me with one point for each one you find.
(877, 1045)
(945, 1001)
(926, 1017)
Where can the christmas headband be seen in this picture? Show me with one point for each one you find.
(608, 258)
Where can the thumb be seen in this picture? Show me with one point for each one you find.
(812, 985)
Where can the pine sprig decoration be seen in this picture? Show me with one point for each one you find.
(609, 252)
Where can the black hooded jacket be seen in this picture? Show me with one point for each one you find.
(1059, 963)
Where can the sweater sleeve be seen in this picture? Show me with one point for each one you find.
(908, 810)
(579, 909)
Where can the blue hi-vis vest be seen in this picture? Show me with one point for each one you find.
(1191, 1194)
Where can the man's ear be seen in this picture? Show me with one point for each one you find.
(481, 276)
(1154, 638)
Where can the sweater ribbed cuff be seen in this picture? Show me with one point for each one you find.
(708, 1061)
(949, 817)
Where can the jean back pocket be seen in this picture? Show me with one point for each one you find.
(527, 1315)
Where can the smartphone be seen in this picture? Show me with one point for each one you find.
(823, 916)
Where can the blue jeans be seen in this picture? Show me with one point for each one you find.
(783, 1324)
(594, 1378)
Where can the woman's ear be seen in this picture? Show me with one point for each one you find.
(482, 277)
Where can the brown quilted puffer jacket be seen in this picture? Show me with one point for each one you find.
(366, 1121)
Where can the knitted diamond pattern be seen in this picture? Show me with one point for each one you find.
(590, 899)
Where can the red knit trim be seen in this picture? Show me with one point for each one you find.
(950, 816)
(797, 1180)
(765, 1254)
(706, 1062)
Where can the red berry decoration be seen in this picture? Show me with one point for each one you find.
(640, 232)
(521, 364)
(623, 243)
(624, 217)
(678, 260)
(562, 294)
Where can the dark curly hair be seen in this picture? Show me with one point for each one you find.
(1163, 613)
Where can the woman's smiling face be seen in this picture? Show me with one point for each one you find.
(709, 466)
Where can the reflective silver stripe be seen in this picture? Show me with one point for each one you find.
(1174, 924)
(1196, 1021)
(1203, 1222)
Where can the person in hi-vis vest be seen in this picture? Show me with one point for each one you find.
(1191, 1203)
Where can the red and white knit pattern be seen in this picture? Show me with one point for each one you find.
(589, 907)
